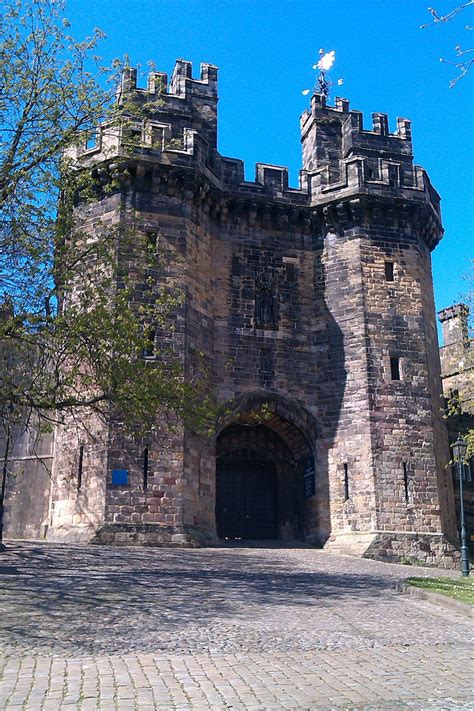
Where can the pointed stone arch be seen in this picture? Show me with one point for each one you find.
(264, 445)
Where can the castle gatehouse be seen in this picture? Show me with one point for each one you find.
(313, 304)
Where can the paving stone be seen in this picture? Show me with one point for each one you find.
(223, 629)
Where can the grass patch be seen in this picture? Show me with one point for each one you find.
(461, 589)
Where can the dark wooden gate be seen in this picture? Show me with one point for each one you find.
(246, 499)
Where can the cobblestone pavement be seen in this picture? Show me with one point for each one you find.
(89, 628)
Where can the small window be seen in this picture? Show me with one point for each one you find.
(91, 142)
(395, 372)
(119, 477)
(392, 176)
(290, 273)
(151, 240)
(235, 265)
(149, 347)
(157, 138)
(469, 470)
(266, 361)
(388, 271)
(148, 180)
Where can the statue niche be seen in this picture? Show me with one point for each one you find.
(266, 304)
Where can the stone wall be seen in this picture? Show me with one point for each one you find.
(457, 357)
(27, 490)
(457, 373)
(315, 303)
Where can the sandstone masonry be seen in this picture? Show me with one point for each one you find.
(315, 302)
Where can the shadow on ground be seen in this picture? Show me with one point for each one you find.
(100, 599)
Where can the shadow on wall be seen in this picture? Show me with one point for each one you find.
(306, 414)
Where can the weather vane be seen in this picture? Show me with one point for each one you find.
(324, 64)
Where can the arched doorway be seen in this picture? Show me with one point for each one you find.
(265, 479)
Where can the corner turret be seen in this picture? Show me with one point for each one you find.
(194, 101)
(340, 155)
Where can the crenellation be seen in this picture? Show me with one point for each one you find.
(233, 171)
(380, 124)
(157, 83)
(342, 104)
(182, 83)
(128, 82)
(272, 177)
(404, 129)
(339, 156)
(183, 71)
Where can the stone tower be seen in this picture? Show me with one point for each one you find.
(314, 302)
(457, 356)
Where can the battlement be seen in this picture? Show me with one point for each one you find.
(183, 102)
(341, 159)
(332, 133)
(455, 324)
(341, 111)
(460, 311)
(182, 85)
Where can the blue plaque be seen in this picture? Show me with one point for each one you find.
(120, 477)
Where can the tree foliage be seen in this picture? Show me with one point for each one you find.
(70, 337)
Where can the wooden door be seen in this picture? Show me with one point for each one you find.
(246, 500)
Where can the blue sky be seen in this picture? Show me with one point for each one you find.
(265, 49)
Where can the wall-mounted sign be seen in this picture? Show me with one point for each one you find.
(309, 477)
(119, 477)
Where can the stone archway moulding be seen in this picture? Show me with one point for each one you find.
(287, 409)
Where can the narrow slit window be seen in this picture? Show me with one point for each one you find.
(406, 482)
(346, 481)
(235, 265)
(392, 176)
(145, 468)
(395, 372)
(389, 274)
(469, 470)
(291, 273)
(266, 361)
(80, 465)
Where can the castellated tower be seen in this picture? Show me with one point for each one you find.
(315, 303)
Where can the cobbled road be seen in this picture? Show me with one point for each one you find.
(91, 628)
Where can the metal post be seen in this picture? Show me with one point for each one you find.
(464, 550)
(4, 485)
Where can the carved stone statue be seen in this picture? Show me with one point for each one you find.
(266, 304)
